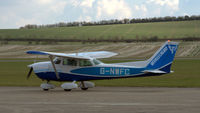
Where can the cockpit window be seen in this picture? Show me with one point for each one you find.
(96, 62)
(71, 62)
(57, 61)
(85, 63)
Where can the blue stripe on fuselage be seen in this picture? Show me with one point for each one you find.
(108, 71)
(72, 77)
(94, 73)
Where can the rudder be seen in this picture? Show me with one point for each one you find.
(164, 57)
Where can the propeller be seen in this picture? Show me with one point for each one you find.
(29, 73)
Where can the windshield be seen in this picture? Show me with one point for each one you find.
(57, 60)
(96, 62)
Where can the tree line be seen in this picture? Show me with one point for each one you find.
(115, 21)
(29, 41)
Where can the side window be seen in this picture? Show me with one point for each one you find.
(71, 62)
(57, 61)
(85, 63)
(65, 61)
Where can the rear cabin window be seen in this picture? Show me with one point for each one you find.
(71, 62)
(85, 63)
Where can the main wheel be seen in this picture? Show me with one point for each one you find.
(67, 89)
(45, 89)
(84, 88)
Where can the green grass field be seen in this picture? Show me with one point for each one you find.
(140, 30)
(187, 74)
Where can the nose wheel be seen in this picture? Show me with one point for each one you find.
(84, 88)
(67, 89)
(47, 86)
(45, 89)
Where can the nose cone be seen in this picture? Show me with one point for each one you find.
(40, 66)
(30, 66)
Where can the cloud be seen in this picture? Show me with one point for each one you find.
(75, 3)
(16, 13)
(44, 1)
(109, 9)
(172, 4)
(84, 18)
(31, 12)
(87, 3)
(82, 3)
(58, 7)
(52, 5)
(141, 8)
(22, 21)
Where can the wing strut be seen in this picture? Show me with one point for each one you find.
(54, 67)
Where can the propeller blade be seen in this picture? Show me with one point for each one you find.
(29, 73)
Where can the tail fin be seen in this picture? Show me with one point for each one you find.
(163, 58)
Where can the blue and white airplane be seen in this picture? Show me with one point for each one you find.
(83, 67)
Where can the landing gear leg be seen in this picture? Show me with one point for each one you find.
(83, 86)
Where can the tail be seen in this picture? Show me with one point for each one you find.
(161, 61)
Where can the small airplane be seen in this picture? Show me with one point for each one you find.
(85, 66)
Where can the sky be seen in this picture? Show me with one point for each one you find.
(17, 13)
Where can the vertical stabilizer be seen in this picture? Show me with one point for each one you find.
(163, 58)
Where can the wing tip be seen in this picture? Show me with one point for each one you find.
(36, 52)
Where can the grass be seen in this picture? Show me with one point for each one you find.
(187, 74)
(140, 30)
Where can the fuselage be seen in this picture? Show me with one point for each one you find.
(95, 71)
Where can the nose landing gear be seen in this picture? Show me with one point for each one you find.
(47, 86)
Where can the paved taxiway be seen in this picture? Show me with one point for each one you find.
(100, 100)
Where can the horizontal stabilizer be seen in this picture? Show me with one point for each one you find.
(154, 71)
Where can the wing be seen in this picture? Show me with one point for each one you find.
(57, 54)
(84, 55)
(98, 54)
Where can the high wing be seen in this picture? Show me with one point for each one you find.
(98, 54)
(83, 55)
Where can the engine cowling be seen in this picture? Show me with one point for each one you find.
(69, 86)
(87, 84)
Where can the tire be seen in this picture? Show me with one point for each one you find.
(45, 89)
(67, 89)
(84, 88)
